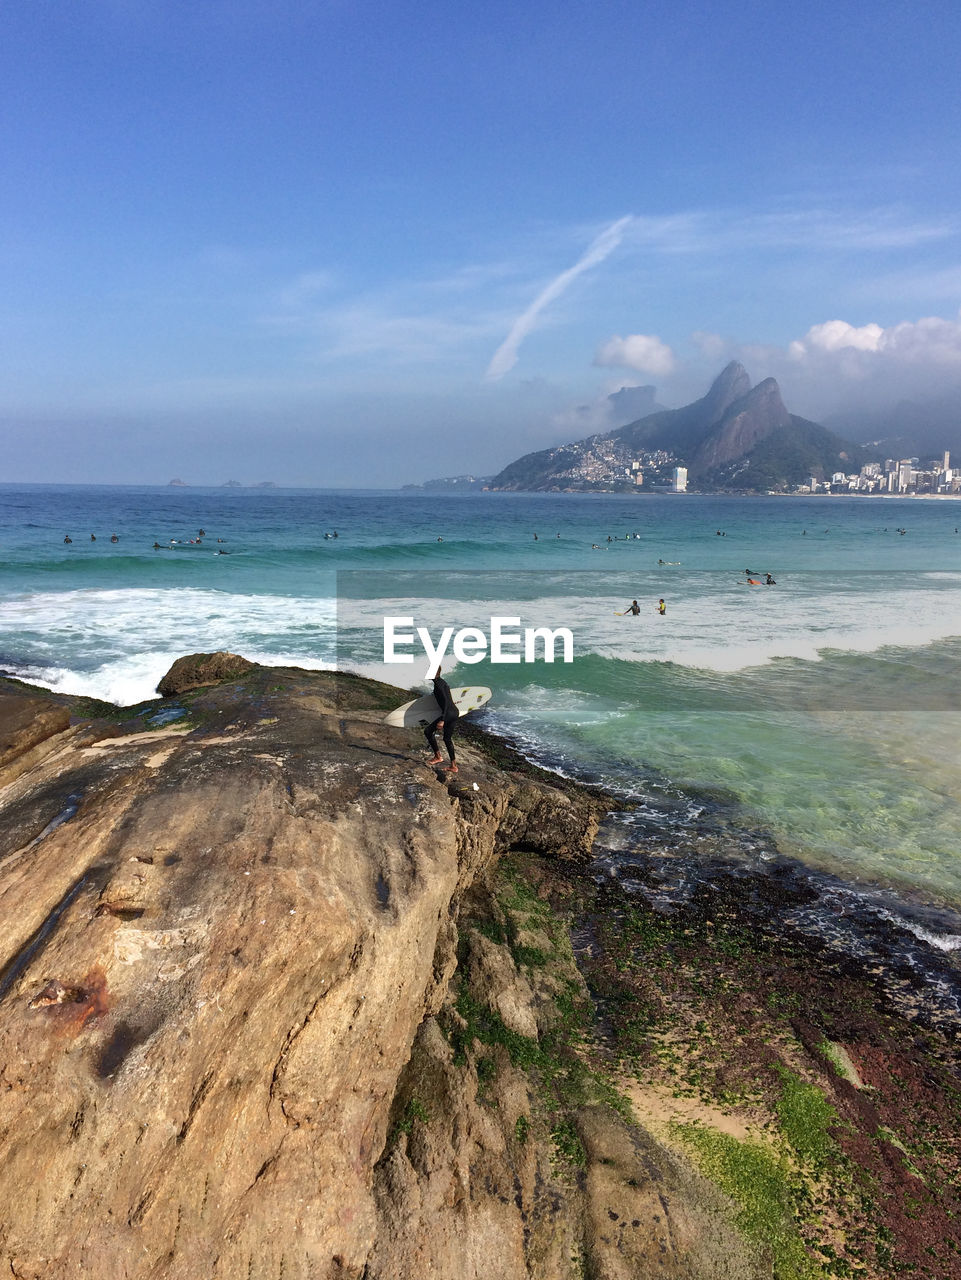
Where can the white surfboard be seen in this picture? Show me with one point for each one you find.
(425, 710)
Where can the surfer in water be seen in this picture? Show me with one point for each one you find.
(634, 608)
(447, 722)
(661, 607)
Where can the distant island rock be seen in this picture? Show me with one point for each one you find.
(461, 484)
(231, 484)
(177, 484)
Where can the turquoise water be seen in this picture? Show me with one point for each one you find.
(823, 710)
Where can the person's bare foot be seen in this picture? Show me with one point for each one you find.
(451, 768)
(436, 760)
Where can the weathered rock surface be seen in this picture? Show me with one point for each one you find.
(226, 952)
(197, 670)
(27, 725)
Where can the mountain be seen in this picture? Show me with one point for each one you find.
(631, 403)
(736, 436)
(679, 431)
(787, 457)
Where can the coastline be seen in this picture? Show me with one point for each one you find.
(909, 944)
(578, 1004)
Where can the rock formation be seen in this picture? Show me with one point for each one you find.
(244, 961)
(198, 669)
(750, 418)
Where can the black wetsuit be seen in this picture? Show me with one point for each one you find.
(448, 713)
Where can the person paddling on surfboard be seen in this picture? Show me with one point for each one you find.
(447, 722)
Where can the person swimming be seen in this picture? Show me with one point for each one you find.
(634, 608)
(661, 607)
(68, 538)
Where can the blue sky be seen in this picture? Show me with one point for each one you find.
(369, 243)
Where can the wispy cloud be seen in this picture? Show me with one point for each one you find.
(601, 247)
(402, 336)
(454, 316)
(872, 229)
(708, 231)
(401, 323)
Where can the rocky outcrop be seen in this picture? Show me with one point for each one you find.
(279, 1002)
(751, 418)
(29, 726)
(197, 670)
(220, 943)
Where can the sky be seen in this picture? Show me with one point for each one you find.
(367, 243)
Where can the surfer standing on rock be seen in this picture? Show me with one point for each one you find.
(447, 723)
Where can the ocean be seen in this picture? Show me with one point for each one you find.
(815, 719)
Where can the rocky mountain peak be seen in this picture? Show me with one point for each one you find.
(730, 385)
(750, 418)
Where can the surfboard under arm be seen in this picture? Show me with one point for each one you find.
(425, 710)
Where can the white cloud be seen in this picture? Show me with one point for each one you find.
(641, 351)
(931, 340)
(505, 357)
(836, 335)
(841, 365)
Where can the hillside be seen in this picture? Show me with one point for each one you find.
(787, 457)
